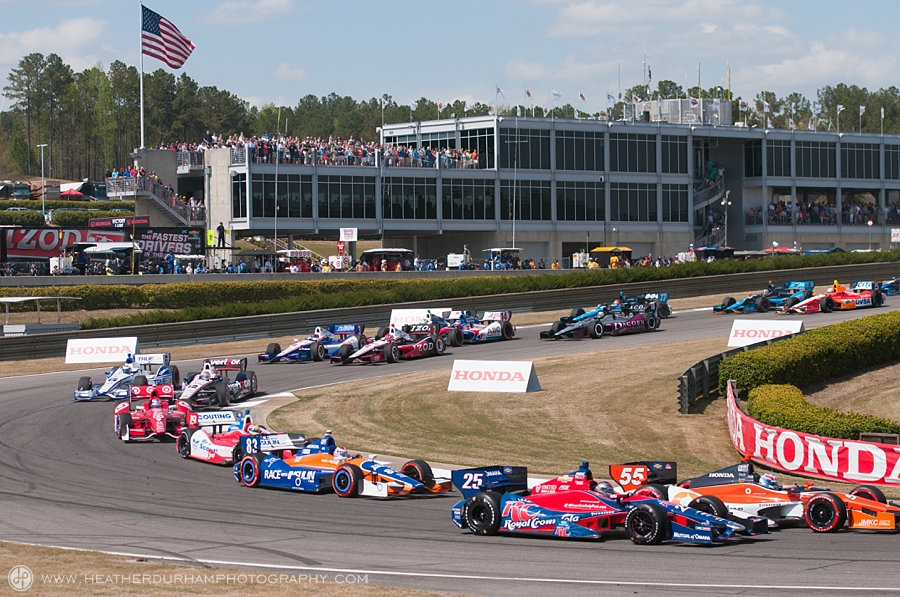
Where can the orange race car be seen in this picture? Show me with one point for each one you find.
(739, 492)
(859, 294)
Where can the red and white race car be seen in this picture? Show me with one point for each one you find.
(392, 344)
(150, 412)
(215, 437)
(213, 387)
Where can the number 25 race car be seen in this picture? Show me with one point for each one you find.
(118, 381)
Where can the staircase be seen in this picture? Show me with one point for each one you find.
(164, 200)
(704, 198)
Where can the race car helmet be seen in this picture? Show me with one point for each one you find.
(341, 453)
(617, 302)
(318, 331)
(155, 403)
(769, 481)
(604, 487)
(254, 430)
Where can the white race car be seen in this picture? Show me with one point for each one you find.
(119, 380)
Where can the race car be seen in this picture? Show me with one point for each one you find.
(890, 287)
(321, 465)
(739, 492)
(817, 303)
(392, 344)
(772, 296)
(215, 436)
(497, 500)
(599, 321)
(482, 327)
(326, 341)
(117, 383)
(860, 294)
(658, 301)
(213, 387)
(151, 412)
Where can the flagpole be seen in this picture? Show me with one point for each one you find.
(142, 76)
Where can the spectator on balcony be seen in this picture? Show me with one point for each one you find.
(220, 229)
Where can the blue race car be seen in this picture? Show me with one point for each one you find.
(327, 341)
(771, 297)
(498, 500)
(890, 287)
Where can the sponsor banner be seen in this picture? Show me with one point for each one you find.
(127, 221)
(750, 331)
(161, 358)
(413, 316)
(216, 418)
(348, 235)
(493, 376)
(795, 452)
(895, 235)
(156, 243)
(100, 350)
(43, 243)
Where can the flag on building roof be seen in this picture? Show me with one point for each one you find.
(527, 93)
(766, 107)
(882, 113)
(862, 110)
(413, 106)
(792, 125)
(769, 123)
(793, 107)
(500, 92)
(817, 109)
(694, 102)
(742, 105)
(610, 98)
(468, 107)
(546, 110)
(384, 103)
(604, 114)
(811, 126)
(162, 40)
(555, 94)
(581, 97)
(636, 99)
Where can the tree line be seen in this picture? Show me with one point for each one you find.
(90, 120)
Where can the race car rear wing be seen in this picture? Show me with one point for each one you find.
(152, 359)
(502, 479)
(636, 474)
(422, 329)
(227, 364)
(211, 419)
(857, 286)
(500, 316)
(807, 285)
(255, 444)
(661, 297)
(348, 329)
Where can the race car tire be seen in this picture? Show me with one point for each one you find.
(481, 513)
(140, 380)
(763, 304)
(656, 491)
(826, 305)
(176, 376)
(188, 379)
(663, 310)
(652, 323)
(123, 426)
(344, 353)
(222, 394)
(347, 480)
(647, 524)
(711, 505)
(576, 313)
(251, 377)
(250, 470)
(381, 333)
(455, 337)
(554, 329)
(420, 471)
(595, 330)
(728, 301)
(439, 345)
(273, 348)
(870, 492)
(507, 330)
(183, 444)
(790, 302)
(825, 512)
(361, 341)
(877, 299)
(317, 351)
(84, 383)
(237, 453)
(391, 353)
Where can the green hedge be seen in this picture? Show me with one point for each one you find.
(26, 219)
(818, 354)
(784, 406)
(60, 203)
(79, 219)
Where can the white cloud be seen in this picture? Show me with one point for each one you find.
(75, 41)
(237, 13)
(289, 72)
(254, 100)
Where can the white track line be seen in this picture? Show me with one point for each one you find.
(561, 581)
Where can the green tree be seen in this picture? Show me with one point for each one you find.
(28, 96)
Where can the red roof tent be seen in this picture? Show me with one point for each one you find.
(71, 194)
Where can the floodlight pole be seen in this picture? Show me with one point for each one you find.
(43, 184)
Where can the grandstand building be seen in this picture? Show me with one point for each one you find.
(656, 184)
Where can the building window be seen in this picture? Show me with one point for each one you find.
(579, 151)
(294, 195)
(815, 159)
(675, 203)
(778, 158)
(346, 197)
(752, 159)
(859, 160)
(530, 201)
(482, 141)
(239, 196)
(524, 149)
(674, 154)
(632, 153)
(468, 199)
(409, 199)
(580, 201)
(632, 202)
(892, 162)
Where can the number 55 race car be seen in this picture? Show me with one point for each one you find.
(212, 386)
(118, 381)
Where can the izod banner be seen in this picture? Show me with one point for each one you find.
(843, 460)
(493, 376)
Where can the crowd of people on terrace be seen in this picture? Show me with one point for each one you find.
(333, 151)
(853, 212)
(188, 206)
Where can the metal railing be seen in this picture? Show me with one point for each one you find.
(127, 187)
(240, 156)
(190, 160)
(710, 194)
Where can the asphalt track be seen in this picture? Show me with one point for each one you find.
(65, 480)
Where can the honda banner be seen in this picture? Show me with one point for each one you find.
(493, 376)
(100, 350)
(843, 460)
(750, 331)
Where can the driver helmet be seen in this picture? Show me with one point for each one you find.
(604, 487)
(341, 453)
(769, 481)
(319, 331)
(156, 403)
(254, 430)
(617, 302)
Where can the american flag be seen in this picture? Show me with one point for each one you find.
(162, 40)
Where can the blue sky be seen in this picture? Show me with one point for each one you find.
(281, 50)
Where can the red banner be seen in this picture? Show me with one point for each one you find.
(844, 460)
(41, 243)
